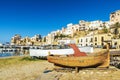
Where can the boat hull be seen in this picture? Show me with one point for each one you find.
(100, 59)
(44, 53)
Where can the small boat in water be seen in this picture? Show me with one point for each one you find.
(81, 59)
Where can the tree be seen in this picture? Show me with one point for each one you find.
(116, 31)
(105, 30)
(44, 39)
(117, 24)
(61, 36)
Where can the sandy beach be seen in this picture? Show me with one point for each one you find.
(24, 70)
(33, 70)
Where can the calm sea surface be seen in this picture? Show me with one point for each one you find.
(10, 54)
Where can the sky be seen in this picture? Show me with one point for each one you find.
(31, 17)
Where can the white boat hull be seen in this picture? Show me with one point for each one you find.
(44, 53)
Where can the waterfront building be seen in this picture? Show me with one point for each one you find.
(26, 41)
(98, 40)
(36, 40)
(16, 39)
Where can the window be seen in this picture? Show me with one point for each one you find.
(76, 29)
(81, 40)
(86, 40)
(91, 44)
(95, 43)
(83, 24)
(95, 38)
(102, 39)
(91, 40)
(115, 43)
(78, 41)
(112, 16)
(102, 44)
(79, 27)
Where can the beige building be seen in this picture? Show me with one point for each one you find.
(17, 40)
(99, 39)
(115, 17)
(86, 41)
(25, 41)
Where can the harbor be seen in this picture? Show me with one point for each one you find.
(10, 50)
(59, 40)
(41, 52)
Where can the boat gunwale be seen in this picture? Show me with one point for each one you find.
(94, 54)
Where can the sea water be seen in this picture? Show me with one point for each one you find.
(9, 54)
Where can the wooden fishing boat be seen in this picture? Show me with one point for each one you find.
(80, 59)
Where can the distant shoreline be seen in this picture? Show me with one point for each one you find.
(5, 57)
